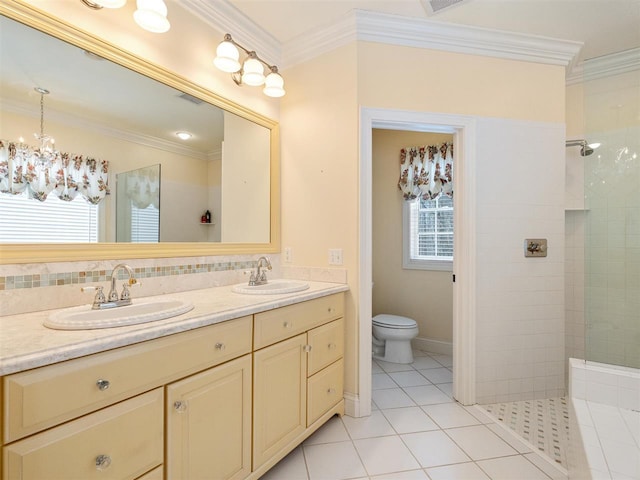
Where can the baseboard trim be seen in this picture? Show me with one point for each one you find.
(432, 346)
(353, 407)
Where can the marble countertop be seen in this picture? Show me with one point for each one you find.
(25, 343)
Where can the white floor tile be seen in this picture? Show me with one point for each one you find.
(449, 415)
(291, 467)
(632, 419)
(459, 471)
(332, 431)
(447, 389)
(394, 367)
(511, 468)
(385, 455)
(333, 461)
(545, 466)
(479, 442)
(621, 457)
(375, 425)
(392, 398)
(433, 449)
(438, 375)
(409, 420)
(409, 379)
(382, 380)
(444, 360)
(420, 363)
(410, 475)
(375, 368)
(427, 395)
(511, 438)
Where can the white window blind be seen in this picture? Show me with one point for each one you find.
(428, 234)
(25, 220)
(145, 224)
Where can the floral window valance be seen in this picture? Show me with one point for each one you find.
(64, 175)
(426, 172)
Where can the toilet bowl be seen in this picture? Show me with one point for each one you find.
(392, 335)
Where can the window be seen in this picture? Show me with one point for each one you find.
(428, 234)
(25, 220)
(145, 224)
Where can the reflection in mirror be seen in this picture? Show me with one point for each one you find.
(138, 205)
(102, 110)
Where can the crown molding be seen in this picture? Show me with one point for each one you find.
(77, 122)
(605, 66)
(226, 18)
(420, 33)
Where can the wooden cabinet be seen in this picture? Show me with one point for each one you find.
(280, 397)
(121, 441)
(221, 402)
(298, 374)
(209, 423)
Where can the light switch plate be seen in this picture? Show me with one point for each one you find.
(535, 247)
(335, 256)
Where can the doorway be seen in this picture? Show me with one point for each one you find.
(463, 130)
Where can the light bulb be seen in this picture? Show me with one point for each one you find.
(152, 15)
(253, 72)
(227, 56)
(273, 85)
(184, 135)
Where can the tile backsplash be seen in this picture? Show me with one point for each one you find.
(35, 287)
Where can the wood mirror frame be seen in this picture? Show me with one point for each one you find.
(50, 252)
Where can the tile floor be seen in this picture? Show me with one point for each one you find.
(416, 431)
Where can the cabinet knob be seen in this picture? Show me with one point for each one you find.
(103, 462)
(331, 309)
(102, 384)
(287, 324)
(331, 346)
(331, 391)
(306, 348)
(220, 346)
(180, 406)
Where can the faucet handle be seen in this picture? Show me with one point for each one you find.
(99, 298)
(126, 294)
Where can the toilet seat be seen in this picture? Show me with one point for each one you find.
(393, 321)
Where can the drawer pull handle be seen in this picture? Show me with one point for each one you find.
(103, 384)
(331, 391)
(220, 346)
(306, 348)
(287, 324)
(180, 406)
(103, 462)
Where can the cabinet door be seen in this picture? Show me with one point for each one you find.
(117, 443)
(209, 423)
(280, 397)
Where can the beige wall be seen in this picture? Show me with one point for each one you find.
(424, 295)
(320, 135)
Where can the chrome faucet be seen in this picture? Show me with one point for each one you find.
(260, 277)
(113, 299)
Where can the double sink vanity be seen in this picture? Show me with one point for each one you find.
(222, 391)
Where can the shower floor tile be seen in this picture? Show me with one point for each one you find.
(542, 423)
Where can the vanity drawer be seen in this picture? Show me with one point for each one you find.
(327, 345)
(324, 390)
(275, 325)
(46, 396)
(128, 436)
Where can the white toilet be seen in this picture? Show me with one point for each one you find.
(392, 335)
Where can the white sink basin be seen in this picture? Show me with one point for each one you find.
(84, 318)
(272, 287)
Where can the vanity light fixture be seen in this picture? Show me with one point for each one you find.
(184, 135)
(251, 71)
(150, 14)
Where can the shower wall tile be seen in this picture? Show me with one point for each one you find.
(520, 301)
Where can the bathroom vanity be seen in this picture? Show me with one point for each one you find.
(219, 394)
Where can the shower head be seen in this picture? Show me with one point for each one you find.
(585, 148)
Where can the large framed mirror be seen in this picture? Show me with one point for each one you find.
(219, 191)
